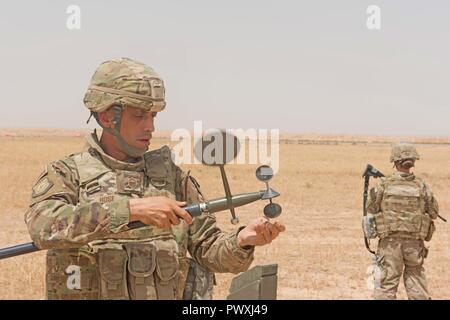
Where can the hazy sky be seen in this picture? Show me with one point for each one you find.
(300, 66)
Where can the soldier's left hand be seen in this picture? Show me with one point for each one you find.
(259, 232)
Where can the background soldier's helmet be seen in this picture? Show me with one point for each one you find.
(402, 151)
(125, 82)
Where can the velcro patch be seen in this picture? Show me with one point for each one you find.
(41, 187)
(129, 182)
(403, 191)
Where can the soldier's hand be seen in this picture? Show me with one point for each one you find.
(259, 232)
(161, 212)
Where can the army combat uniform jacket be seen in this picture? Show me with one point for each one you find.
(79, 211)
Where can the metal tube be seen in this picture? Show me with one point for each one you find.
(236, 201)
(18, 250)
(194, 210)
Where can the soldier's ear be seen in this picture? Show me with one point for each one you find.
(106, 118)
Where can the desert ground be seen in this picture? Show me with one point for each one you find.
(320, 256)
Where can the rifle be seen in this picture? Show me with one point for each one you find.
(369, 172)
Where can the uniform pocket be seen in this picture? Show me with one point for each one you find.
(430, 231)
(141, 266)
(167, 267)
(413, 252)
(424, 253)
(71, 275)
(369, 226)
(112, 264)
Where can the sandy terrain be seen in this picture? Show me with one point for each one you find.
(320, 256)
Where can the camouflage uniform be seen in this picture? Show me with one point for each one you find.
(79, 210)
(403, 206)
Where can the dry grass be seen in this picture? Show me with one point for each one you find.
(320, 256)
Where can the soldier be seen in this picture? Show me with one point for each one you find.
(403, 206)
(81, 205)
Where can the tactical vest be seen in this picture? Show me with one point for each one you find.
(145, 263)
(403, 210)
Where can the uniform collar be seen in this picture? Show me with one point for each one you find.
(406, 176)
(93, 144)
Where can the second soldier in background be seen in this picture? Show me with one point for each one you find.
(403, 206)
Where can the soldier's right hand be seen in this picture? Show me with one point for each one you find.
(161, 212)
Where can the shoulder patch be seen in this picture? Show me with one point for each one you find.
(41, 187)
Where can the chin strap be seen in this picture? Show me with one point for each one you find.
(128, 149)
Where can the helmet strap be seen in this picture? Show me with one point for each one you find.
(90, 116)
(115, 131)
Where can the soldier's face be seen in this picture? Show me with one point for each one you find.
(137, 126)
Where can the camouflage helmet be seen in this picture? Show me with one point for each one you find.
(402, 151)
(125, 82)
(121, 83)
